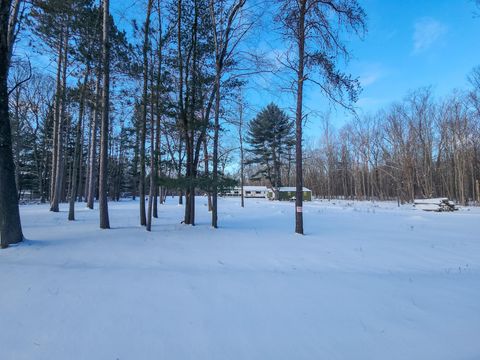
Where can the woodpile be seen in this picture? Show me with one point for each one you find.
(436, 204)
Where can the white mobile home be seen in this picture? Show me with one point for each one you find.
(249, 191)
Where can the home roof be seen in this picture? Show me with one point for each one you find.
(291, 188)
(252, 188)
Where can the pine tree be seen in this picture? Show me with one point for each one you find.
(271, 137)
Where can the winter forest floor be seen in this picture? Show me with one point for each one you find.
(368, 281)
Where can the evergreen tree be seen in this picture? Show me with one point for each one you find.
(271, 137)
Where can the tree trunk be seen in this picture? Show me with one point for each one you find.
(78, 149)
(56, 120)
(242, 160)
(157, 193)
(143, 128)
(10, 226)
(92, 165)
(216, 130)
(298, 122)
(103, 176)
(153, 167)
(60, 164)
(207, 171)
(80, 167)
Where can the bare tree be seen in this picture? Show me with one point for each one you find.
(222, 36)
(314, 27)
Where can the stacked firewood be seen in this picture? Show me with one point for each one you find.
(436, 204)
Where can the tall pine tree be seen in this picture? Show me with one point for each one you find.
(270, 136)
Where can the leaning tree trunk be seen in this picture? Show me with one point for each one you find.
(10, 226)
(103, 201)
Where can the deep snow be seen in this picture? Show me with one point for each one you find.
(368, 281)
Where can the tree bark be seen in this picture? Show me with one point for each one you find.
(242, 160)
(103, 200)
(153, 168)
(56, 119)
(216, 130)
(143, 127)
(92, 165)
(78, 149)
(10, 225)
(157, 193)
(207, 171)
(60, 164)
(298, 121)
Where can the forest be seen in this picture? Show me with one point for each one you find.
(157, 107)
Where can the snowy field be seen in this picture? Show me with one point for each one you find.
(368, 281)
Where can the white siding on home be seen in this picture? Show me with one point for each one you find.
(249, 191)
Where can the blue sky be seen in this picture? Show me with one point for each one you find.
(415, 43)
(409, 44)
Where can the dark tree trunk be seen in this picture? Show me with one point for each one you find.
(103, 176)
(59, 165)
(216, 129)
(80, 167)
(10, 226)
(181, 109)
(143, 125)
(221, 38)
(298, 121)
(157, 193)
(56, 119)
(242, 161)
(92, 165)
(135, 163)
(153, 167)
(207, 171)
(78, 150)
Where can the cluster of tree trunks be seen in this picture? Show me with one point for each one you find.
(419, 148)
(145, 115)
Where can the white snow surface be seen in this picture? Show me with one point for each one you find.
(367, 281)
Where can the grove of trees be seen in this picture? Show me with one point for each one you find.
(420, 147)
(142, 110)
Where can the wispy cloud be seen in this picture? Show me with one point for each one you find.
(427, 31)
(370, 103)
(371, 74)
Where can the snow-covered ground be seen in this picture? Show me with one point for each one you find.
(368, 281)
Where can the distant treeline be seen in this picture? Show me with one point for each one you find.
(417, 148)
